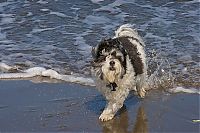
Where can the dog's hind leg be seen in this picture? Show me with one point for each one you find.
(140, 85)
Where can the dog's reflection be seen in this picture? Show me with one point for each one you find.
(141, 122)
(120, 123)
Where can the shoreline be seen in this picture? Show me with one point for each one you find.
(40, 107)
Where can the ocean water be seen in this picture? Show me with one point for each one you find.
(59, 34)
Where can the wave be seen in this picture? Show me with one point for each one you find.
(180, 89)
(41, 71)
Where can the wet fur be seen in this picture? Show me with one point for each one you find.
(126, 49)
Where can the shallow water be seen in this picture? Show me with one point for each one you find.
(66, 107)
(59, 34)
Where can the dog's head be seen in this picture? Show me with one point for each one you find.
(109, 60)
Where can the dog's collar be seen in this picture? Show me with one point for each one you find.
(112, 86)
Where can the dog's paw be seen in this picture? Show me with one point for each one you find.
(106, 117)
(142, 93)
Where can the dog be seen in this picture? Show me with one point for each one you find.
(119, 66)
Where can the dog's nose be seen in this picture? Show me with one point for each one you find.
(112, 63)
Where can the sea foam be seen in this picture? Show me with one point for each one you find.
(185, 90)
(41, 71)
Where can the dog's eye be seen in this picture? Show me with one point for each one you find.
(113, 53)
(119, 58)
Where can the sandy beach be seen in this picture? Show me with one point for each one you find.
(46, 41)
(53, 107)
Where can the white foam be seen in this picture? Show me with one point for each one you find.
(185, 90)
(96, 1)
(4, 66)
(58, 14)
(29, 14)
(41, 30)
(35, 70)
(40, 71)
(42, 2)
(52, 74)
(44, 10)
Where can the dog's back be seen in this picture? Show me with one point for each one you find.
(126, 30)
(134, 46)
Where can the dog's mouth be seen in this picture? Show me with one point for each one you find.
(112, 69)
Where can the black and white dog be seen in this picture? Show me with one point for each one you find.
(119, 66)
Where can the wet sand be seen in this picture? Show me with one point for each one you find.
(52, 107)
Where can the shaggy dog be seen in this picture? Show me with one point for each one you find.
(119, 66)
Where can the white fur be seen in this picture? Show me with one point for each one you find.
(128, 82)
(111, 76)
(128, 30)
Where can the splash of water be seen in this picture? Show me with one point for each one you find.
(161, 76)
(159, 71)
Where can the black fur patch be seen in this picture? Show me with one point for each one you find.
(112, 86)
(133, 54)
(108, 45)
(126, 47)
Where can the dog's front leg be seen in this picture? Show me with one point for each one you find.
(110, 110)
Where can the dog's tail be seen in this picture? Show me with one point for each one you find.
(127, 30)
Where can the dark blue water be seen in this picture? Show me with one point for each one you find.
(59, 34)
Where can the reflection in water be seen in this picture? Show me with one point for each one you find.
(120, 123)
(117, 125)
(141, 122)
